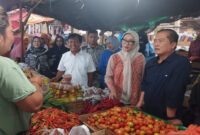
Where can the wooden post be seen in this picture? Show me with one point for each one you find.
(47, 25)
(87, 37)
(22, 24)
(72, 29)
(101, 36)
(22, 31)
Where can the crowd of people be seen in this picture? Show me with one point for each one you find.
(157, 86)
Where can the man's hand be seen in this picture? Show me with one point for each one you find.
(58, 76)
(139, 105)
(36, 79)
(54, 79)
(141, 101)
(175, 122)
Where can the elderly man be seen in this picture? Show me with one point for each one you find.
(95, 51)
(165, 79)
(77, 63)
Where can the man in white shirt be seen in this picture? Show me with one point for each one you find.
(77, 63)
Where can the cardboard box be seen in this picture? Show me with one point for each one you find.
(84, 118)
(103, 132)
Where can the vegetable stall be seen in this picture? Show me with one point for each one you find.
(66, 106)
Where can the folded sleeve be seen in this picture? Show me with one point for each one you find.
(14, 85)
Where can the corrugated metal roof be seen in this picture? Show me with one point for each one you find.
(115, 14)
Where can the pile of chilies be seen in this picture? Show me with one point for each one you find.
(52, 118)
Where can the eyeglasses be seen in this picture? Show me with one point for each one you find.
(128, 42)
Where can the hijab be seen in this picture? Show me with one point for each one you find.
(114, 41)
(37, 51)
(58, 50)
(128, 58)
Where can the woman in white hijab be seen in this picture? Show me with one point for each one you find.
(125, 70)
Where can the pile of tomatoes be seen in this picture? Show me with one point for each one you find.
(191, 130)
(126, 121)
(52, 118)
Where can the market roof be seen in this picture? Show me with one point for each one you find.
(14, 16)
(114, 14)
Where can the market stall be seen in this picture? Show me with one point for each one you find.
(66, 106)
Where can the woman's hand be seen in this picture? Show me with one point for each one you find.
(113, 94)
(36, 79)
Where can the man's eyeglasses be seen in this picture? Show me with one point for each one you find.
(128, 42)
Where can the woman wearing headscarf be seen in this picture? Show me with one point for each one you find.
(36, 57)
(125, 70)
(112, 45)
(55, 54)
(45, 40)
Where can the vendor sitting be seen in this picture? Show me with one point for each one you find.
(77, 63)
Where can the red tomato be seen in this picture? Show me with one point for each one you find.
(137, 132)
(127, 128)
(130, 124)
(119, 132)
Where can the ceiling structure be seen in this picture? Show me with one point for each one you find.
(113, 15)
(14, 17)
(191, 23)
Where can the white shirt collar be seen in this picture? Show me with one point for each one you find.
(76, 54)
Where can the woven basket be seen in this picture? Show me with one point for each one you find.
(76, 107)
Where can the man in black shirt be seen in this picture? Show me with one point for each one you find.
(165, 78)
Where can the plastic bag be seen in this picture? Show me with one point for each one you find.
(56, 131)
(79, 130)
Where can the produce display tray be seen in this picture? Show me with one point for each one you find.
(179, 126)
(85, 117)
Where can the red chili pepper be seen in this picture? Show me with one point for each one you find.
(52, 118)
